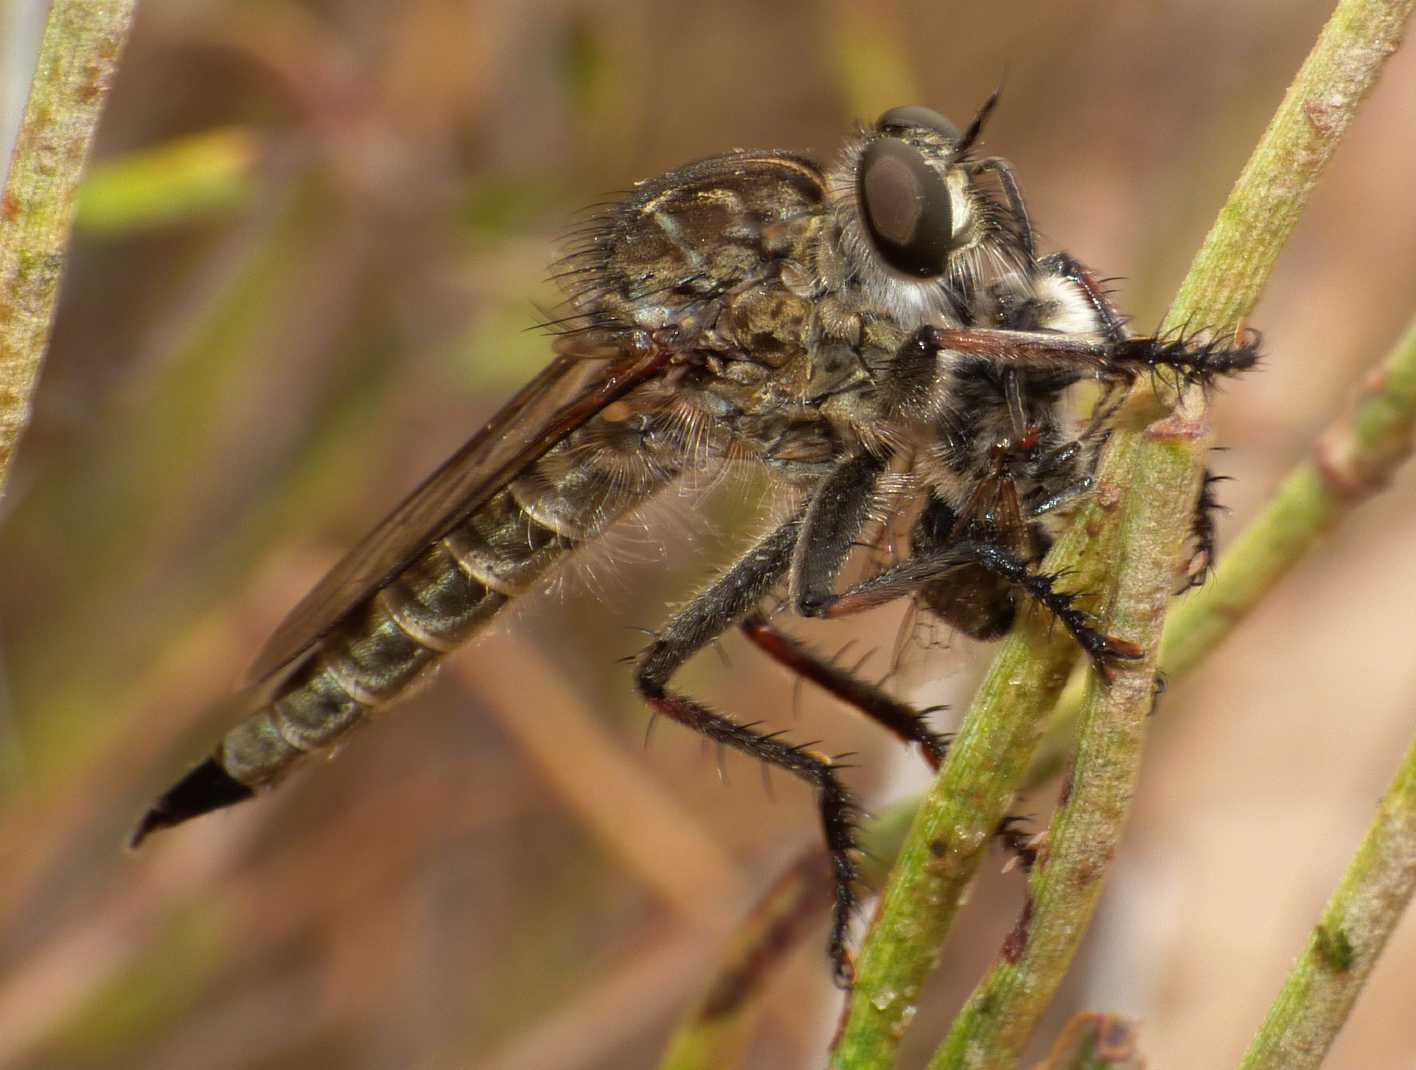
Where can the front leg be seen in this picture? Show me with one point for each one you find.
(1052, 352)
(1065, 266)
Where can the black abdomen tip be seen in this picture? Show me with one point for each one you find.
(206, 788)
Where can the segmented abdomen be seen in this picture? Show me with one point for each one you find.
(440, 601)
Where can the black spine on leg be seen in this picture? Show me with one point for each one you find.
(206, 788)
(1203, 532)
(1193, 362)
(1101, 648)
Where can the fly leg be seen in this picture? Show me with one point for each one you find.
(898, 717)
(1125, 359)
(1113, 324)
(833, 522)
(1063, 476)
(1078, 488)
(1202, 533)
(817, 541)
(735, 594)
(936, 564)
(1114, 356)
(1009, 181)
(1202, 525)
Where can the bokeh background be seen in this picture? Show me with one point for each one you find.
(312, 241)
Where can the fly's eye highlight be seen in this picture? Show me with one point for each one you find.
(905, 207)
(914, 115)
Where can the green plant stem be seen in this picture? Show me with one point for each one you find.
(1360, 451)
(1143, 464)
(1348, 939)
(1353, 460)
(1271, 193)
(1064, 885)
(77, 59)
(1086, 829)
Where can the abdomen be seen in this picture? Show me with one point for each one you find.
(397, 636)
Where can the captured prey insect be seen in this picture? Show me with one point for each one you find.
(880, 336)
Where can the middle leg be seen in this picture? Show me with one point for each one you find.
(908, 576)
(1191, 362)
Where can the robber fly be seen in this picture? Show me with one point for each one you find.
(879, 330)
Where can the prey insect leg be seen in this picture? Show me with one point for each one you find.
(1079, 488)
(833, 522)
(723, 604)
(1064, 475)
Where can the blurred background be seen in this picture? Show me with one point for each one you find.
(312, 241)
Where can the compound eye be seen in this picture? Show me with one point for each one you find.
(916, 116)
(905, 206)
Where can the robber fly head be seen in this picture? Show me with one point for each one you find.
(918, 229)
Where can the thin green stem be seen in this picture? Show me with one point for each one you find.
(1354, 459)
(1065, 884)
(715, 1030)
(1348, 939)
(963, 808)
(1362, 449)
(77, 59)
(1237, 257)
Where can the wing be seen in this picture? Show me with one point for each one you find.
(675, 242)
(577, 384)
